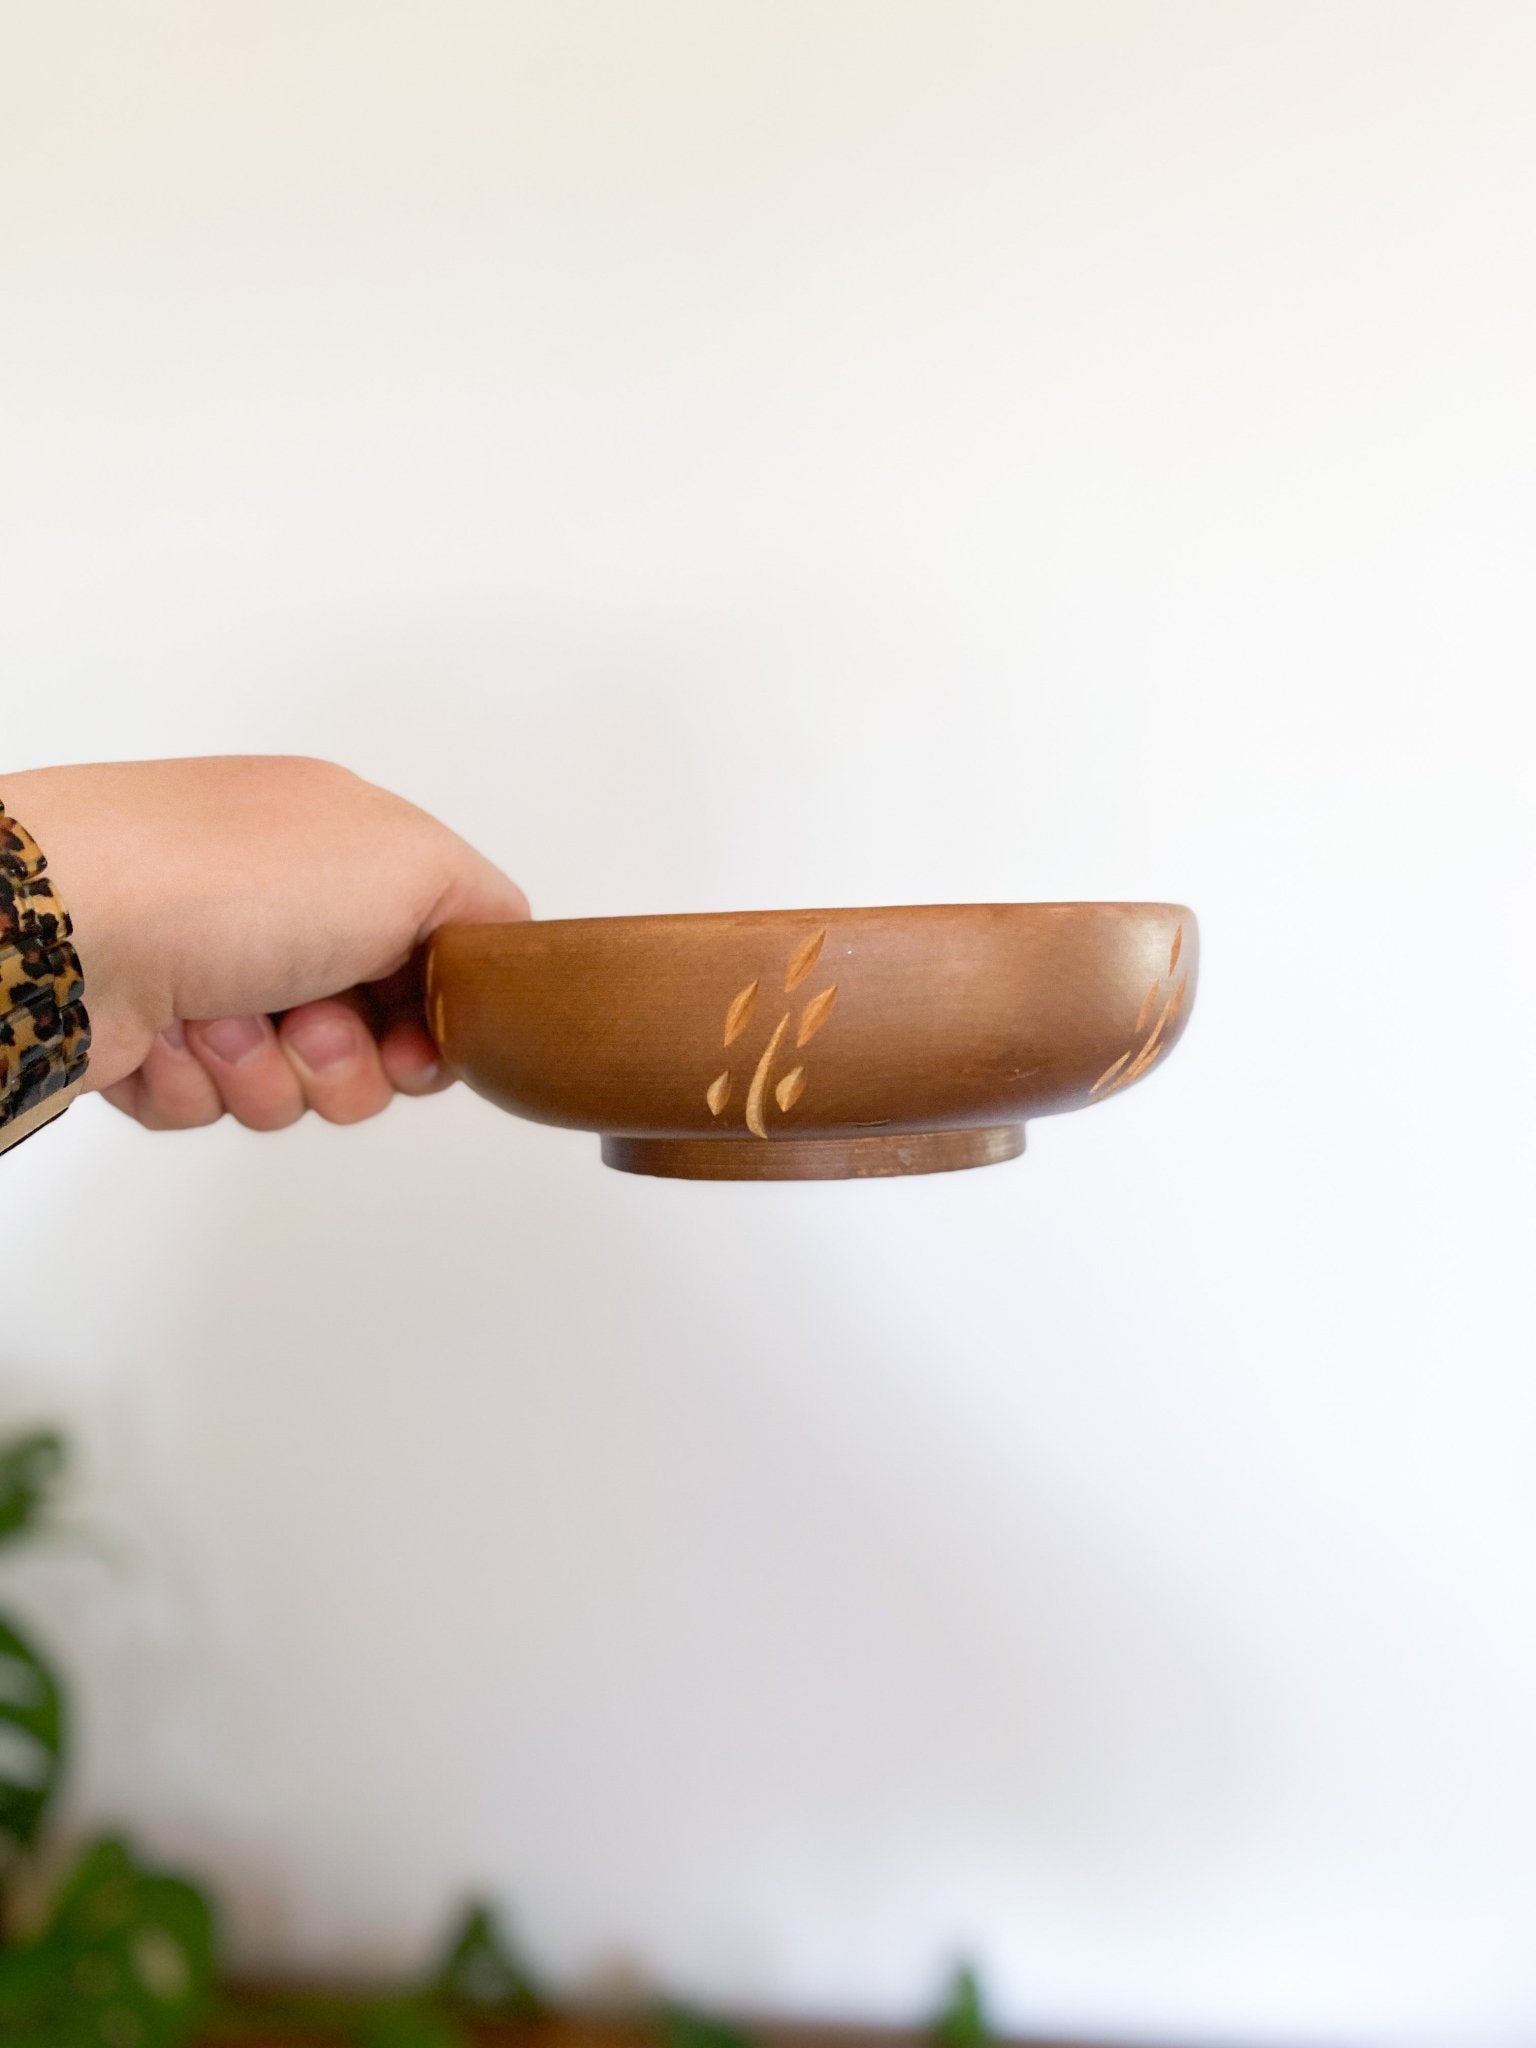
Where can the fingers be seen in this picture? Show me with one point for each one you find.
(254, 1080)
(411, 1060)
(395, 1009)
(170, 1090)
(126, 1095)
(322, 1056)
(175, 1092)
(335, 1060)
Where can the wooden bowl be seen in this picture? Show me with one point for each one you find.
(813, 1044)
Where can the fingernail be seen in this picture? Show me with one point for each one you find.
(174, 1036)
(234, 1039)
(322, 1042)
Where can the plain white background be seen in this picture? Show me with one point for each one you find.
(726, 455)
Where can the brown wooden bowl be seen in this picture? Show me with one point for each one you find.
(813, 1044)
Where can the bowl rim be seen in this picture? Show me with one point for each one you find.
(827, 910)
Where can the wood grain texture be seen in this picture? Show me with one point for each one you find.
(871, 1158)
(902, 1023)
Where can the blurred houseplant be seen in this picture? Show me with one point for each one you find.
(125, 1956)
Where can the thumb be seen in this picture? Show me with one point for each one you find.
(476, 893)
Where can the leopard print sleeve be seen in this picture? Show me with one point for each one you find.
(45, 1034)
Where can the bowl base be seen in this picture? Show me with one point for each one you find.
(814, 1158)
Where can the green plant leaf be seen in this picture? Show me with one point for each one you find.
(680, 2028)
(29, 1465)
(963, 2021)
(31, 1740)
(126, 1962)
(481, 1969)
(407, 2027)
(405, 2019)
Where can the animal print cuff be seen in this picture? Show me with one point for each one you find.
(45, 1034)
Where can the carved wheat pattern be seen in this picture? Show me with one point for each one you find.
(814, 1015)
(803, 959)
(787, 1091)
(790, 1089)
(739, 1015)
(757, 1093)
(1133, 1064)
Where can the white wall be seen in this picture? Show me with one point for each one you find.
(724, 455)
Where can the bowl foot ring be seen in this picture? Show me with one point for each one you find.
(815, 1158)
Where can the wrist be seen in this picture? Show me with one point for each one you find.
(45, 1033)
(103, 886)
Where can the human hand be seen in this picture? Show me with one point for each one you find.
(248, 928)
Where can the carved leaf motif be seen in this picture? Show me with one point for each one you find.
(1145, 1061)
(1146, 1007)
(1172, 1007)
(739, 1014)
(1109, 1074)
(1144, 1056)
(1112, 1081)
(759, 1089)
(790, 1089)
(803, 959)
(1178, 941)
(815, 1014)
(719, 1093)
